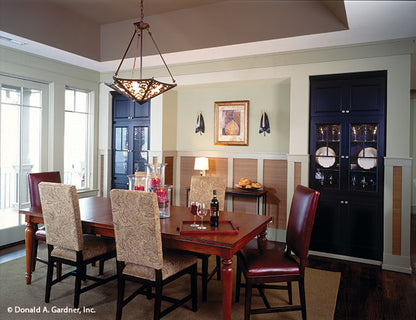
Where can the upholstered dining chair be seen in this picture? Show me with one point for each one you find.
(201, 191)
(66, 242)
(140, 257)
(40, 235)
(266, 262)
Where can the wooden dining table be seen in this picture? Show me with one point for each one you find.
(97, 219)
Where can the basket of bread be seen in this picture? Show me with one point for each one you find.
(247, 184)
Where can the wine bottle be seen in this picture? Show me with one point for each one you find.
(214, 217)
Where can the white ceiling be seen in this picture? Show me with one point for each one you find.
(197, 30)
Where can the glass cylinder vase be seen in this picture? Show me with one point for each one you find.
(164, 194)
(155, 175)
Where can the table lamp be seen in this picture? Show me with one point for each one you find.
(201, 164)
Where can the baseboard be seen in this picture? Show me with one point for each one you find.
(12, 244)
(346, 258)
(397, 263)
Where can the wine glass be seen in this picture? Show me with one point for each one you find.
(202, 212)
(194, 211)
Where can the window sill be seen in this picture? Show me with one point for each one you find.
(86, 193)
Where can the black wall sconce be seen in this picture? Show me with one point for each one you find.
(264, 124)
(200, 124)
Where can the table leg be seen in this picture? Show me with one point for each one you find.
(29, 243)
(227, 287)
(262, 240)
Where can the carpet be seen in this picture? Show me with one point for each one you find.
(21, 301)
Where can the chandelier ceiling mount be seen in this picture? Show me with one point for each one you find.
(140, 90)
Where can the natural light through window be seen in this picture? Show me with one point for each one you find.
(76, 141)
(20, 147)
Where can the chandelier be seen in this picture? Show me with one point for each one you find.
(140, 90)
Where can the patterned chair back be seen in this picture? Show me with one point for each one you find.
(61, 215)
(137, 227)
(202, 187)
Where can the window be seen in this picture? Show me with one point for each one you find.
(20, 145)
(77, 138)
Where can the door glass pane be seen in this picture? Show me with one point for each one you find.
(140, 141)
(141, 138)
(122, 138)
(10, 152)
(363, 160)
(11, 95)
(20, 148)
(121, 158)
(327, 155)
(121, 150)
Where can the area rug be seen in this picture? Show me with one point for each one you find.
(21, 301)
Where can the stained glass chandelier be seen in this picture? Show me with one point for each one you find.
(140, 90)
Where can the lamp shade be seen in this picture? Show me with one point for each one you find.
(201, 164)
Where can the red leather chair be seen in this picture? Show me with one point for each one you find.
(33, 180)
(268, 262)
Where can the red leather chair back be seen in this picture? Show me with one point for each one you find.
(34, 179)
(301, 218)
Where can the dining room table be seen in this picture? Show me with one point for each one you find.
(239, 229)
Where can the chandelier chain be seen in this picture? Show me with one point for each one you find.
(141, 11)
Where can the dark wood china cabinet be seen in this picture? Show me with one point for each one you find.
(347, 147)
(131, 138)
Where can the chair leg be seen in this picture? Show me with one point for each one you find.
(149, 292)
(35, 254)
(289, 291)
(120, 297)
(302, 298)
(79, 276)
(84, 272)
(158, 301)
(194, 289)
(238, 283)
(204, 278)
(247, 304)
(49, 280)
(218, 268)
(58, 269)
(101, 267)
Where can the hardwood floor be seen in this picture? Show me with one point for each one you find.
(365, 292)
(368, 292)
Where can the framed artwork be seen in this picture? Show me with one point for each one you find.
(231, 123)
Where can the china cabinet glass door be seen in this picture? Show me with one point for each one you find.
(326, 155)
(363, 159)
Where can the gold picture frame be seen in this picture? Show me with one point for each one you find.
(231, 123)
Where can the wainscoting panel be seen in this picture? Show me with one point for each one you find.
(218, 167)
(169, 170)
(187, 170)
(244, 168)
(275, 182)
(397, 210)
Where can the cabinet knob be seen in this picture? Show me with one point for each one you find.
(346, 202)
(347, 111)
(343, 111)
(342, 201)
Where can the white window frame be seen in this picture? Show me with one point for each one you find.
(89, 164)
